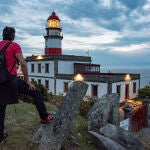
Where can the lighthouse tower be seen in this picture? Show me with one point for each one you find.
(53, 36)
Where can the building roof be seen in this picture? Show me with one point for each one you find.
(59, 57)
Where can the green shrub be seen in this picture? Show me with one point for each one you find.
(86, 104)
(144, 92)
(46, 96)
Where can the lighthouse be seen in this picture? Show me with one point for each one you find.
(53, 36)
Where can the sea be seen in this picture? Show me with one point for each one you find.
(144, 73)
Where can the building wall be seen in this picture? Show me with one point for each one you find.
(67, 67)
(102, 88)
(51, 68)
(122, 84)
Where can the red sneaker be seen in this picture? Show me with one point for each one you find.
(48, 119)
(3, 137)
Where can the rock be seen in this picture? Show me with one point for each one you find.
(55, 133)
(124, 138)
(105, 143)
(105, 110)
(145, 132)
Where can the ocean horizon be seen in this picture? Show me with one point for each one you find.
(144, 73)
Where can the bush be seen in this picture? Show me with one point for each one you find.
(46, 96)
(144, 92)
(86, 104)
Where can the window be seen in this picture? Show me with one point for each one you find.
(134, 87)
(39, 68)
(32, 68)
(66, 86)
(118, 89)
(46, 68)
(47, 84)
(39, 81)
(95, 90)
(32, 79)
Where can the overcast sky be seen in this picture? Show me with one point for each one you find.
(115, 33)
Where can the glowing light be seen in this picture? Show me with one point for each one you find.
(127, 78)
(78, 77)
(39, 57)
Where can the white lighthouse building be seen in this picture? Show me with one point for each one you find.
(56, 71)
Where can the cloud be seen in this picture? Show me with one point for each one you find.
(101, 26)
(134, 48)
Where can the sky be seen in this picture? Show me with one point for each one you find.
(115, 33)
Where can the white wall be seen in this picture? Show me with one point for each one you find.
(122, 92)
(102, 87)
(53, 43)
(131, 94)
(67, 67)
(51, 68)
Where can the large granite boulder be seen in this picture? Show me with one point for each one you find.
(105, 143)
(55, 133)
(124, 138)
(105, 110)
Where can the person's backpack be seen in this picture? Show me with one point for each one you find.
(4, 73)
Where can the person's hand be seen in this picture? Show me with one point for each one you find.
(31, 86)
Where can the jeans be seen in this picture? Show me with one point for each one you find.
(23, 88)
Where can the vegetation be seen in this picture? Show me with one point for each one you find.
(144, 92)
(86, 104)
(22, 124)
(46, 96)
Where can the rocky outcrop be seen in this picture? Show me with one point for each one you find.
(103, 124)
(124, 138)
(55, 133)
(104, 110)
(105, 143)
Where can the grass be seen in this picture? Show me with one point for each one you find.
(22, 124)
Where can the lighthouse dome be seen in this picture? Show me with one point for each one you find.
(53, 16)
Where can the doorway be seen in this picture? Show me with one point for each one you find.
(127, 91)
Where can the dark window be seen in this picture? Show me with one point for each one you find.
(39, 81)
(65, 86)
(39, 68)
(46, 68)
(118, 89)
(32, 67)
(134, 87)
(47, 84)
(32, 79)
(95, 90)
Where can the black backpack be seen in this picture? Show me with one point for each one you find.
(4, 73)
